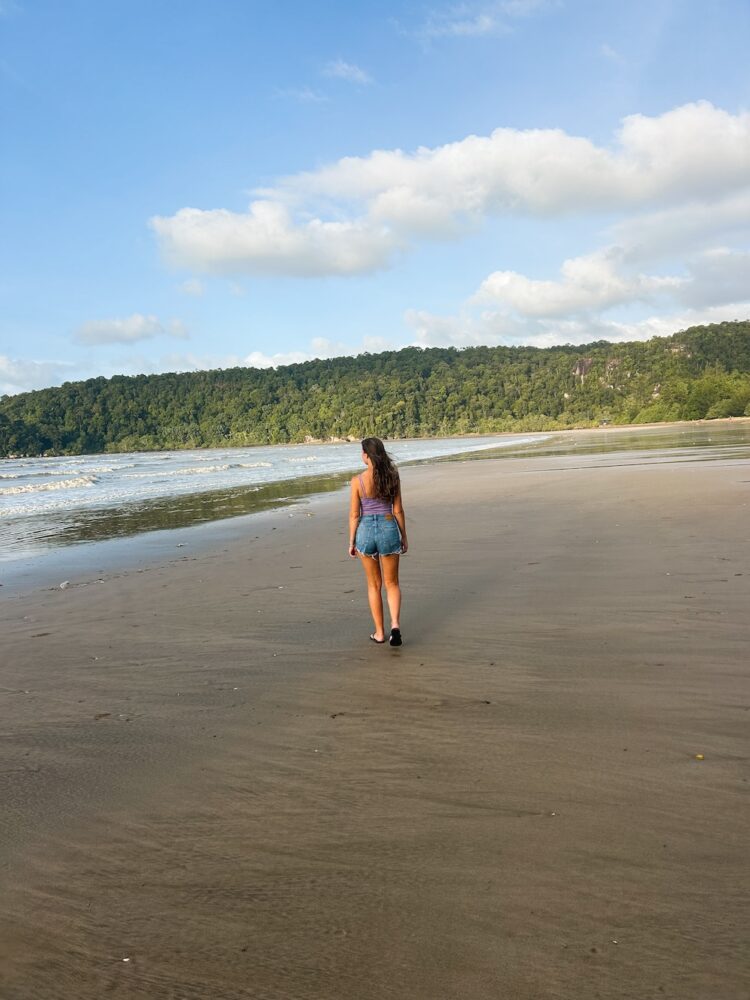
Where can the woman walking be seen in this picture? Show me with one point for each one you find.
(377, 534)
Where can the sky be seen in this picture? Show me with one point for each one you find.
(204, 185)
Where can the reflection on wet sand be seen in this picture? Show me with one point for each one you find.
(97, 524)
(603, 441)
(36, 535)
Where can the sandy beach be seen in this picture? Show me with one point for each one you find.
(214, 787)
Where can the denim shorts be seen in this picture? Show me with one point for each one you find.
(378, 535)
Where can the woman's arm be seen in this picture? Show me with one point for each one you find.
(398, 513)
(354, 507)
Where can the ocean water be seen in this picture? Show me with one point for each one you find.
(46, 503)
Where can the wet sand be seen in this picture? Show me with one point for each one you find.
(213, 786)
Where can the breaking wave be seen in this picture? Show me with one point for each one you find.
(31, 475)
(64, 484)
(178, 472)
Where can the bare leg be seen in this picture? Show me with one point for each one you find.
(389, 566)
(374, 583)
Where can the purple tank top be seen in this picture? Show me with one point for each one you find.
(373, 505)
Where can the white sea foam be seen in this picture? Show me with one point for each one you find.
(64, 484)
(33, 508)
(33, 475)
(197, 472)
(34, 492)
(177, 472)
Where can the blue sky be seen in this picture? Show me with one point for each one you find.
(201, 185)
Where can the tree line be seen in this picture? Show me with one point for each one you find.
(699, 373)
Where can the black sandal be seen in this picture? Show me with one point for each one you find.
(395, 639)
(378, 641)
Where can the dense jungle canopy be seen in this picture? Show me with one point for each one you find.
(702, 372)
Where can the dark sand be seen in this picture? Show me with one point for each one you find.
(207, 769)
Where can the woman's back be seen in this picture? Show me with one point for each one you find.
(372, 505)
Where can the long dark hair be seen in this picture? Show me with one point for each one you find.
(386, 482)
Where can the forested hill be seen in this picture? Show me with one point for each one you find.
(697, 373)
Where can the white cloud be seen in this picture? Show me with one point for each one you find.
(127, 331)
(193, 287)
(204, 362)
(596, 281)
(679, 183)
(465, 330)
(604, 279)
(513, 308)
(717, 276)
(460, 22)
(266, 240)
(258, 359)
(694, 151)
(375, 345)
(341, 70)
(472, 20)
(350, 217)
(20, 375)
(493, 329)
(305, 95)
(324, 347)
(689, 226)
(319, 347)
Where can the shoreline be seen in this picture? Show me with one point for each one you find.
(212, 773)
(95, 529)
(88, 561)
